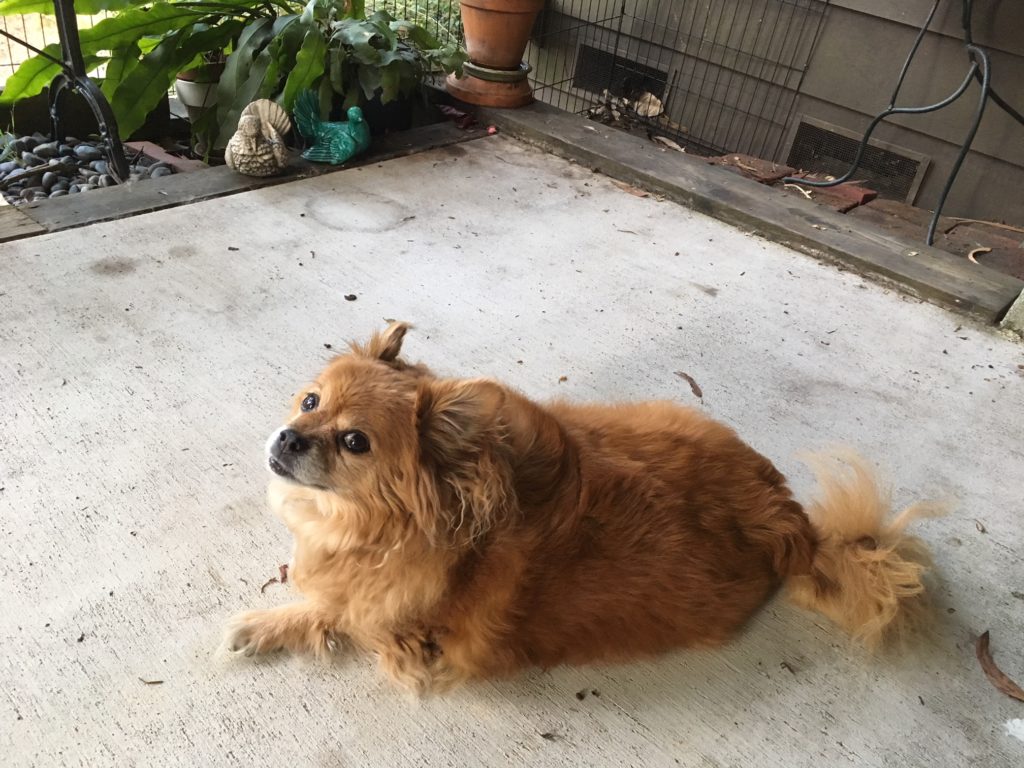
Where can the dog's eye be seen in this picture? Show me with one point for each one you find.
(310, 401)
(355, 441)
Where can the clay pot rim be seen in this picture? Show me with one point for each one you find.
(505, 6)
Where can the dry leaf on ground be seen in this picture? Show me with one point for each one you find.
(971, 257)
(667, 142)
(648, 105)
(697, 392)
(631, 189)
(461, 119)
(996, 676)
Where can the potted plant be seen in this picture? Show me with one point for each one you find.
(332, 47)
(196, 87)
(274, 49)
(497, 32)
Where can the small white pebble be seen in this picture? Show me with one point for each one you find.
(1015, 728)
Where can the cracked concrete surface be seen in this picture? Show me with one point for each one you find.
(145, 360)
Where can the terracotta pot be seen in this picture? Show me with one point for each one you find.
(497, 30)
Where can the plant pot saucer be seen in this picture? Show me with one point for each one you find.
(509, 90)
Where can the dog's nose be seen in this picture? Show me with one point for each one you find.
(290, 441)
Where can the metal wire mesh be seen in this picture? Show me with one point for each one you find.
(36, 29)
(441, 18)
(727, 72)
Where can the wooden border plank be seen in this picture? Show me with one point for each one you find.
(182, 188)
(927, 272)
(15, 225)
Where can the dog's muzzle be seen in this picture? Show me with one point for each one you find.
(284, 449)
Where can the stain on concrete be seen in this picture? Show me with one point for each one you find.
(181, 251)
(374, 213)
(453, 150)
(709, 290)
(112, 266)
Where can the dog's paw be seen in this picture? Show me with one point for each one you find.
(298, 628)
(248, 634)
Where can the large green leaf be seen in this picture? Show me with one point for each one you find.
(450, 59)
(285, 29)
(287, 41)
(96, 7)
(415, 34)
(239, 83)
(325, 94)
(363, 39)
(336, 69)
(35, 73)
(143, 87)
(236, 70)
(309, 65)
(328, 10)
(132, 24)
(249, 90)
(309, 12)
(148, 81)
(122, 61)
(390, 83)
(82, 7)
(380, 19)
(32, 80)
(31, 77)
(370, 79)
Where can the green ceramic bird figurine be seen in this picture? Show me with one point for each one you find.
(332, 143)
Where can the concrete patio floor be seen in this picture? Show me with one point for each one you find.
(145, 360)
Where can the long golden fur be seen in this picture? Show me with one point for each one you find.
(459, 530)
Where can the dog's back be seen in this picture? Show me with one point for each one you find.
(677, 534)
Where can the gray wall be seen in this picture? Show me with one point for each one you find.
(855, 65)
(849, 78)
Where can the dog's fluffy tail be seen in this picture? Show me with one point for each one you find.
(866, 574)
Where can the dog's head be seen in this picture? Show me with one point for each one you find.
(399, 444)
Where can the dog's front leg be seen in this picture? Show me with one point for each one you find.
(297, 627)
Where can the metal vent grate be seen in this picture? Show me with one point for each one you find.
(893, 172)
(597, 70)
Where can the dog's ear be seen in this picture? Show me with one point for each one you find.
(462, 448)
(384, 345)
(456, 416)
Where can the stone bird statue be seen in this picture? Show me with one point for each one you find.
(332, 143)
(258, 148)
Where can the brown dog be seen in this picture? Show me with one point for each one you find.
(460, 530)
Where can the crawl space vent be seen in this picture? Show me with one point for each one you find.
(597, 70)
(818, 149)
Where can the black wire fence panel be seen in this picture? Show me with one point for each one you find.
(441, 18)
(724, 74)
